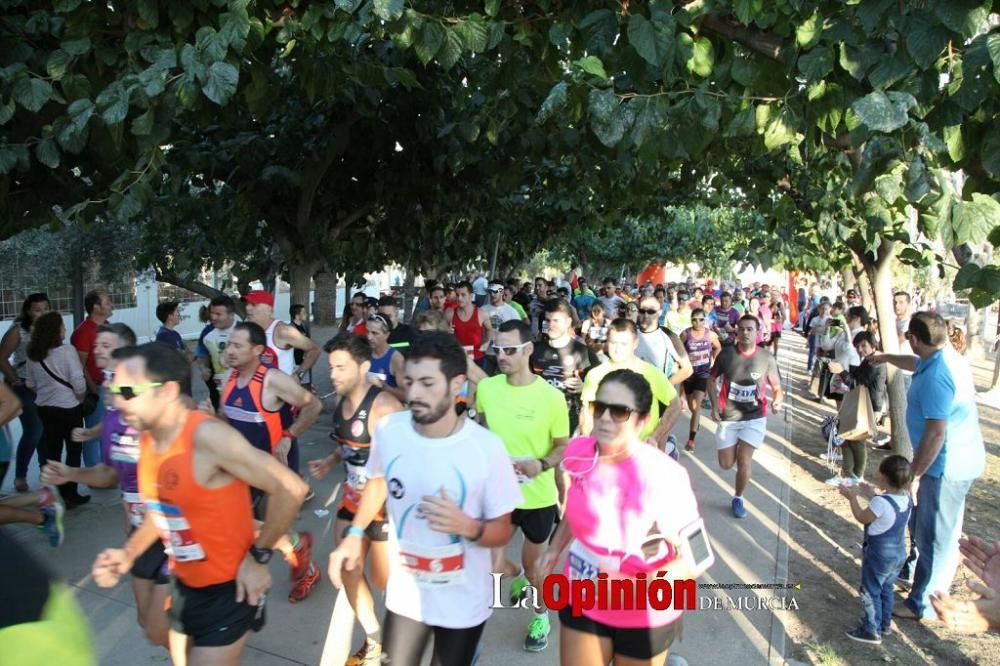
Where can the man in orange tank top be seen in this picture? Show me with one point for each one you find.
(194, 477)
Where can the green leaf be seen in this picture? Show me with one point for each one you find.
(654, 42)
(743, 123)
(993, 48)
(58, 62)
(211, 44)
(47, 153)
(149, 12)
(429, 41)
(877, 112)
(918, 183)
(994, 236)
(889, 186)
(746, 10)
(32, 93)
(816, 64)
(143, 124)
(599, 29)
(701, 58)
(451, 50)
(609, 119)
(73, 136)
(989, 152)
(65, 6)
(745, 70)
(780, 131)
(492, 7)
(77, 47)
(966, 276)
(972, 221)
(857, 61)
(234, 26)
(7, 111)
(953, 139)
(388, 10)
(890, 71)
(474, 33)
(555, 101)
(965, 17)
(592, 65)
(8, 160)
(983, 299)
(113, 103)
(925, 41)
(221, 82)
(808, 32)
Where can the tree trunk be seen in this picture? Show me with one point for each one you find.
(863, 281)
(846, 275)
(326, 298)
(882, 287)
(300, 274)
(408, 294)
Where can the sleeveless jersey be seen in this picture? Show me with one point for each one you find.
(245, 411)
(382, 367)
(354, 438)
(275, 357)
(699, 352)
(207, 531)
(469, 333)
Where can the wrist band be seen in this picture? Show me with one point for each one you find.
(479, 533)
(351, 530)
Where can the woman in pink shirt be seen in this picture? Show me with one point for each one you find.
(625, 506)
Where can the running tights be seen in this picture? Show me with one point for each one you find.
(404, 641)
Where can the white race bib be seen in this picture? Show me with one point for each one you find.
(134, 507)
(585, 564)
(742, 392)
(433, 566)
(180, 540)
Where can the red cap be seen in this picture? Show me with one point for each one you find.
(259, 297)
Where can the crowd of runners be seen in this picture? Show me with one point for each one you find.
(542, 406)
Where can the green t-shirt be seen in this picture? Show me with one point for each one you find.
(520, 310)
(663, 390)
(527, 419)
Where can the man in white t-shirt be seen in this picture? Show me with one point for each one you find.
(449, 490)
(210, 352)
(479, 286)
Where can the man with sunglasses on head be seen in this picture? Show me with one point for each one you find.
(532, 419)
(561, 359)
(449, 489)
(195, 473)
(498, 312)
(623, 340)
(258, 401)
(741, 409)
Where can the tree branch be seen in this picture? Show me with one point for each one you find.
(199, 288)
(764, 43)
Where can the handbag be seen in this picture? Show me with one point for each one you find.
(857, 418)
(89, 403)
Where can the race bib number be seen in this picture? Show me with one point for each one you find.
(585, 564)
(433, 566)
(178, 535)
(470, 351)
(703, 357)
(134, 507)
(742, 392)
(356, 477)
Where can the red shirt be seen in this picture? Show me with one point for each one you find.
(84, 338)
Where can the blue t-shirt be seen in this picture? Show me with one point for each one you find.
(170, 338)
(582, 304)
(943, 389)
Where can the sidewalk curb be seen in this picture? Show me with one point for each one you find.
(776, 649)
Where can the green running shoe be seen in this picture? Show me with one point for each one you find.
(517, 589)
(538, 634)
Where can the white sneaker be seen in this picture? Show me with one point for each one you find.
(835, 481)
(836, 457)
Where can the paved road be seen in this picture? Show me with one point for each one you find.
(318, 631)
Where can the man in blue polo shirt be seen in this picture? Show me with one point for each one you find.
(948, 455)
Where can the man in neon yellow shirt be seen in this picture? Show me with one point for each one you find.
(623, 339)
(531, 417)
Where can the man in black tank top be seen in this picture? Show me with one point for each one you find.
(358, 412)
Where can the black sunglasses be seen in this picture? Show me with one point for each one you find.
(619, 413)
(647, 311)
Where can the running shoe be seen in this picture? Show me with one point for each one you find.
(370, 653)
(835, 481)
(888, 629)
(21, 485)
(301, 557)
(863, 636)
(52, 523)
(303, 586)
(538, 634)
(739, 511)
(517, 589)
(689, 447)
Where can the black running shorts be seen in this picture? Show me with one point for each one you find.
(211, 615)
(537, 524)
(632, 643)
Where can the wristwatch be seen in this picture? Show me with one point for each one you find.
(261, 555)
(545, 464)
